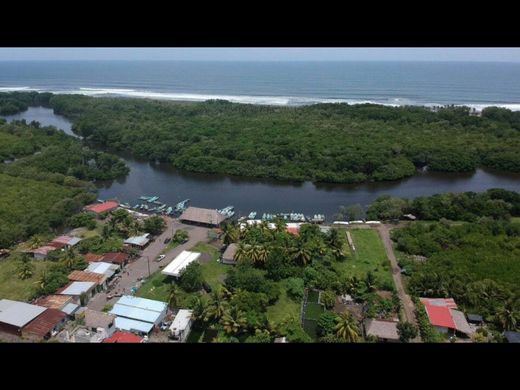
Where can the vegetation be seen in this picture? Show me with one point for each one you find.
(322, 142)
(154, 225)
(407, 331)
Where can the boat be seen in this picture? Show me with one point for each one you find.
(136, 206)
(144, 197)
(181, 206)
(125, 205)
(169, 210)
(252, 215)
(160, 208)
(152, 199)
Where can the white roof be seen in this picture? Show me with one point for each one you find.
(132, 325)
(138, 240)
(181, 321)
(100, 268)
(180, 262)
(78, 288)
(18, 313)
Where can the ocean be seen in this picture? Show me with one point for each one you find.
(276, 83)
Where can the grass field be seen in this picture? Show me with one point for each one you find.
(370, 255)
(11, 287)
(285, 308)
(213, 272)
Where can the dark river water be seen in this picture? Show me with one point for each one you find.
(246, 194)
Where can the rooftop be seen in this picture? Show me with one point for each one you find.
(512, 337)
(200, 215)
(66, 240)
(43, 250)
(102, 268)
(138, 240)
(18, 313)
(77, 288)
(54, 301)
(180, 262)
(181, 320)
(115, 257)
(98, 319)
(91, 257)
(229, 253)
(382, 329)
(123, 337)
(133, 325)
(82, 276)
(45, 322)
(99, 208)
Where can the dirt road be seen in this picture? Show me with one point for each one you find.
(406, 301)
(139, 268)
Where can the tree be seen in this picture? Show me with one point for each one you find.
(328, 298)
(25, 268)
(199, 307)
(327, 323)
(370, 281)
(230, 233)
(233, 320)
(301, 252)
(346, 328)
(261, 254)
(173, 296)
(191, 278)
(407, 331)
(154, 225)
(217, 306)
(295, 288)
(180, 235)
(242, 252)
(507, 316)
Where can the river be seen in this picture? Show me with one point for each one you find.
(248, 194)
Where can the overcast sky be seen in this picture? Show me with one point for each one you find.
(264, 54)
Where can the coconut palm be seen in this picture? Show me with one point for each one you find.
(279, 225)
(43, 280)
(507, 316)
(242, 252)
(25, 269)
(335, 239)
(35, 242)
(217, 306)
(346, 328)
(301, 252)
(262, 254)
(370, 281)
(173, 296)
(199, 308)
(233, 320)
(230, 233)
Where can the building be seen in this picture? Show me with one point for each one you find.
(385, 331)
(83, 276)
(138, 315)
(101, 323)
(54, 301)
(99, 208)
(475, 319)
(181, 326)
(45, 325)
(123, 337)
(15, 315)
(228, 257)
(119, 258)
(138, 241)
(65, 241)
(512, 337)
(178, 264)
(444, 316)
(42, 252)
(203, 217)
(281, 340)
(92, 257)
(77, 289)
(108, 270)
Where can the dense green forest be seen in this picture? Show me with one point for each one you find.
(477, 263)
(466, 206)
(322, 142)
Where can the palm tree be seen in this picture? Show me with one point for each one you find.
(25, 269)
(346, 328)
(279, 225)
(233, 320)
(335, 239)
(42, 280)
(199, 309)
(301, 252)
(173, 296)
(35, 242)
(370, 281)
(242, 252)
(106, 232)
(230, 233)
(217, 306)
(69, 261)
(262, 254)
(507, 316)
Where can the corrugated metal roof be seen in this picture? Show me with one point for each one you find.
(102, 207)
(78, 288)
(461, 324)
(66, 240)
(82, 276)
(200, 215)
(181, 320)
(133, 325)
(142, 303)
(98, 319)
(18, 313)
(99, 268)
(123, 337)
(229, 253)
(70, 308)
(54, 301)
(135, 313)
(138, 240)
(180, 262)
(45, 322)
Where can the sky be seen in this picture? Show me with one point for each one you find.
(264, 54)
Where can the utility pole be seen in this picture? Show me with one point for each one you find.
(148, 262)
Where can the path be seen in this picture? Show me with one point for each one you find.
(406, 301)
(139, 268)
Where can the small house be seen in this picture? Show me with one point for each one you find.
(138, 241)
(45, 325)
(78, 289)
(181, 326)
(105, 207)
(384, 331)
(228, 257)
(15, 315)
(99, 322)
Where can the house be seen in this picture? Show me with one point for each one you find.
(228, 257)
(181, 326)
(83, 276)
(78, 289)
(45, 325)
(108, 270)
(138, 315)
(99, 208)
(123, 337)
(15, 315)
(54, 301)
(138, 241)
(65, 241)
(101, 323)
(201, 216)
(42, 252)
(385, 331)
(119, 258)
(178, 264)
(512, 337)
(92, 258)
(444, 316)
(475, 319)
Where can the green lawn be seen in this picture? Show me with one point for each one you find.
(370, 255)
(285, 308)
(157, 287)
(11, 287)
(313, 311)
(213, 272)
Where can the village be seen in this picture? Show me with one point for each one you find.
(108, 301)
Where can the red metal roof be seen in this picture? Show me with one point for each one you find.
(102, 207)
(294, 231)
(92, 258)
(115, 257)
(123, 337)
(44, 323)
(440, 316)
(444, 302)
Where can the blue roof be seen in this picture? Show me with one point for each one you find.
(142, 303)
(132, 325)
(70, 308)
(136, 313)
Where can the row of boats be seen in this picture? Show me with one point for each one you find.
(228, 211)
(294, 217)
(152, 205)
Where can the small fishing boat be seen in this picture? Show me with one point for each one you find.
(252, 215)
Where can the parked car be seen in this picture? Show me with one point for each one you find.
(167, 240)
(160, 257)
